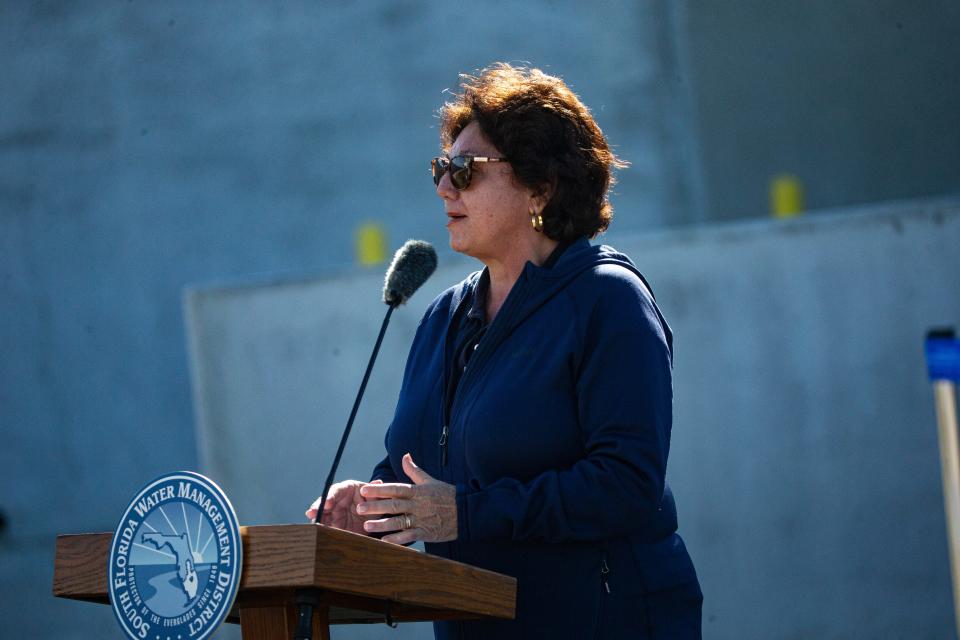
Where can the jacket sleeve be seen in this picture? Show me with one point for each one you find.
(624, 405)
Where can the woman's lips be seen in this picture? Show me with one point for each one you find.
(454, 217)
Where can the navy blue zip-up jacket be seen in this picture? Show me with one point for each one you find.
(558, 435)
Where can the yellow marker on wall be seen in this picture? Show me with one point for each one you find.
(371, 244)
(786, 196)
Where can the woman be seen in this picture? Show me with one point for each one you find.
(533, 425)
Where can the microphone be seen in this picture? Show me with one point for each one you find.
(412, 264)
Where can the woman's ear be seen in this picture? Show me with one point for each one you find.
(540, 197)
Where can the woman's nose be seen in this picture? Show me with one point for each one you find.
(445, 188)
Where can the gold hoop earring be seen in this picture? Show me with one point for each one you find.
(536, 221)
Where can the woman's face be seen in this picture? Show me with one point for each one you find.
(490, 217)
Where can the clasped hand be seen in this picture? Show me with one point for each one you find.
(425, 510)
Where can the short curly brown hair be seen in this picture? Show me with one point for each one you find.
(549, 137)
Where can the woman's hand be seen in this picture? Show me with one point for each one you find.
(426, 510)
(340, 509)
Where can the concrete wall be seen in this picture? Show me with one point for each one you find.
(145, 146)
(804, 454)
(858, 99)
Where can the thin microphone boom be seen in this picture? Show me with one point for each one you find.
(412, 264)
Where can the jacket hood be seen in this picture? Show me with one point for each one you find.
(578, 257)
(536, 285)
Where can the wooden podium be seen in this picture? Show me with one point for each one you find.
(359, 580)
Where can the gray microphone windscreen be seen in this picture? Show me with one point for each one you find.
(412, 264)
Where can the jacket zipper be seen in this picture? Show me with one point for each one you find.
(443, 445)
(605, 574)
(448, 410)
(599, 630)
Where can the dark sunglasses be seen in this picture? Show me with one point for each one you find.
(460, 168)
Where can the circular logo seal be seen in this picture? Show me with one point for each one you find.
(174, 566)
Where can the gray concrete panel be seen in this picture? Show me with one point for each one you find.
(804, 454)
(858, 99)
